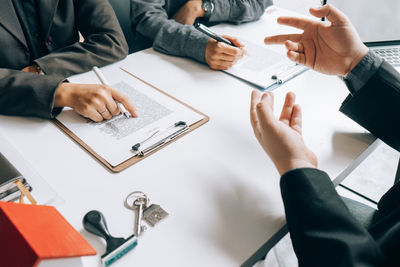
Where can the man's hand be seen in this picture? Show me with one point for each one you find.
(332, 47)
(221, 56)
(93, 101)
(281, 139)
(189, 12)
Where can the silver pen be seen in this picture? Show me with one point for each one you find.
(104, 81)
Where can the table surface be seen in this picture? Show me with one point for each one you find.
(219, 187)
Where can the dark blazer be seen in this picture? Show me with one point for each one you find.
(323, 231)
(30, 94)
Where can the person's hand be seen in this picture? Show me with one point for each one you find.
(332, 47)
(93, 101)
(221, 56)
(189, 12)
(33, 69)
(281, 139)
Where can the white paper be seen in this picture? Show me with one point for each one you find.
(259, 64)
(113, 139)
(262, 61)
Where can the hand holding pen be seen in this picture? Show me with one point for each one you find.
(222, 52)
(93, 101)
(117, 104)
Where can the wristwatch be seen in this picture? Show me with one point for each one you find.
(208, 7)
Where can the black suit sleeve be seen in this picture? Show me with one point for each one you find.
(376, 105)
(104, 42)
(323, 231)
(27, 94)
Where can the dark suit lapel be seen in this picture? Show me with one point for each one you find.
(10, 21)
(47, 9)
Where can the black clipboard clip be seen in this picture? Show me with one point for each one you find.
(288, 75)
(183, 127)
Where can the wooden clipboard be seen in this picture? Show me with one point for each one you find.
(134, 159)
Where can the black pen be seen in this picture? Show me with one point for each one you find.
(323, 2)
(212, 34)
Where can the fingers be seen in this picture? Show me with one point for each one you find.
(265, 109)
(103, 104)
(291, 113)
(296, 47)
(234, 40)
(300, 23)
(97, 108)
(287, 108)
(296, 119)
(280, 39)
(229, 50)
(125, 101)
(220, 56)
(261, 109)
(334, 15)
(299, 58)
(93, 114)
(110, 108)
(225, 57)
(255, 99)
(296, 52)
(221, 64)
(105, 113)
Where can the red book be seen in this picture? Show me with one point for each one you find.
(30, 234)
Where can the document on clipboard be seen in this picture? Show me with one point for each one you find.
(264, 68)
(121, 142)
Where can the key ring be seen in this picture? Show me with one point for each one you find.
(132, 197)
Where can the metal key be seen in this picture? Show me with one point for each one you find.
(137, 200)
(140, 203)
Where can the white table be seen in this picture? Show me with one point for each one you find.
(219, 187)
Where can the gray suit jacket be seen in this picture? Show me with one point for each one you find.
(31, 94)
(151, 19)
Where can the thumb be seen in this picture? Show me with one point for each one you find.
(334, 15)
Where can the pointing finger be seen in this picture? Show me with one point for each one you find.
(280, 39)
(125, 101)
(300, 23)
